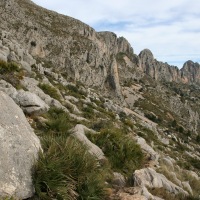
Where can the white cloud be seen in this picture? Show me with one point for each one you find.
(170, 29)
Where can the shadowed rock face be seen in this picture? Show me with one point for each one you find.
(19, 148)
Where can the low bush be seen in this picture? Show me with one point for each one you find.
(65, 170)
(59, 122)
(88, 112)
(195, 163)
(194, 183)
(123, 153)
(102, 124)
(153, 118)
(8, 67)
(75, 91)
(51, 91)
(11, 73)
(147, 134)
(198, 138)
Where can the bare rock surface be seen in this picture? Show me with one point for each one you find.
(148, 177)
(8, 89)
(118, 180)
(31, 103)
(79, 132)
(148, 149)
(19, 149)
(134, 193)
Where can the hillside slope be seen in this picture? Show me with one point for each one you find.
(112, 124)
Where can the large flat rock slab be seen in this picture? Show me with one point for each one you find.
(19, 149)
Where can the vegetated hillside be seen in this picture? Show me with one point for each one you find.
(112, 125)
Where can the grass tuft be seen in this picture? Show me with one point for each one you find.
(65, 170)
(51, 91)
(122, 152)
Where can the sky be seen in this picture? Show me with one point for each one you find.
(169, 28)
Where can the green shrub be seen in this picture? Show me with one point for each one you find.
(198, 138)
(8, 67)
(122, 152)
(11, 73)
(120, 57)
(65, 170)
(153, 117)
(148, 135)
(102, 124)
(51, 91)
(59, 122)
(88, 112)
(128, 123)
(7, 198)
(194, 183)
(75, 91)
(195, 163)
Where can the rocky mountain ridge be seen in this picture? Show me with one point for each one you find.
(188, 74)
(76, 49)
(106, 123)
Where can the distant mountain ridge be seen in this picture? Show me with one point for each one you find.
(78, 50)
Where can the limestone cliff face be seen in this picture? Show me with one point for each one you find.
(157, 70)
(70, 46)
(30, 34)
(190, 73)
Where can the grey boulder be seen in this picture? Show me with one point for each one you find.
(19, 150)
(148, 177)
(8, 89)
(79, 132)
(118, 180)
(30, 102)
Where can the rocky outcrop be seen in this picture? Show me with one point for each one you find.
(157, 70)
(148, 149)
(76, 50)
(118, 180)
(8, 89)
(72, 46)
(57, 49)
(79, 132)
(32, 85)
(190, 73)
(12, 51)
(134, 193)
(148, 177)
(31, 103)
(19, 149)
(114, 79)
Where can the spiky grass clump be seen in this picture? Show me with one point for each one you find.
(51, 91)
(59, 122)
(8, 67)
(122, 152)
(12, 73)
(65, 170)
